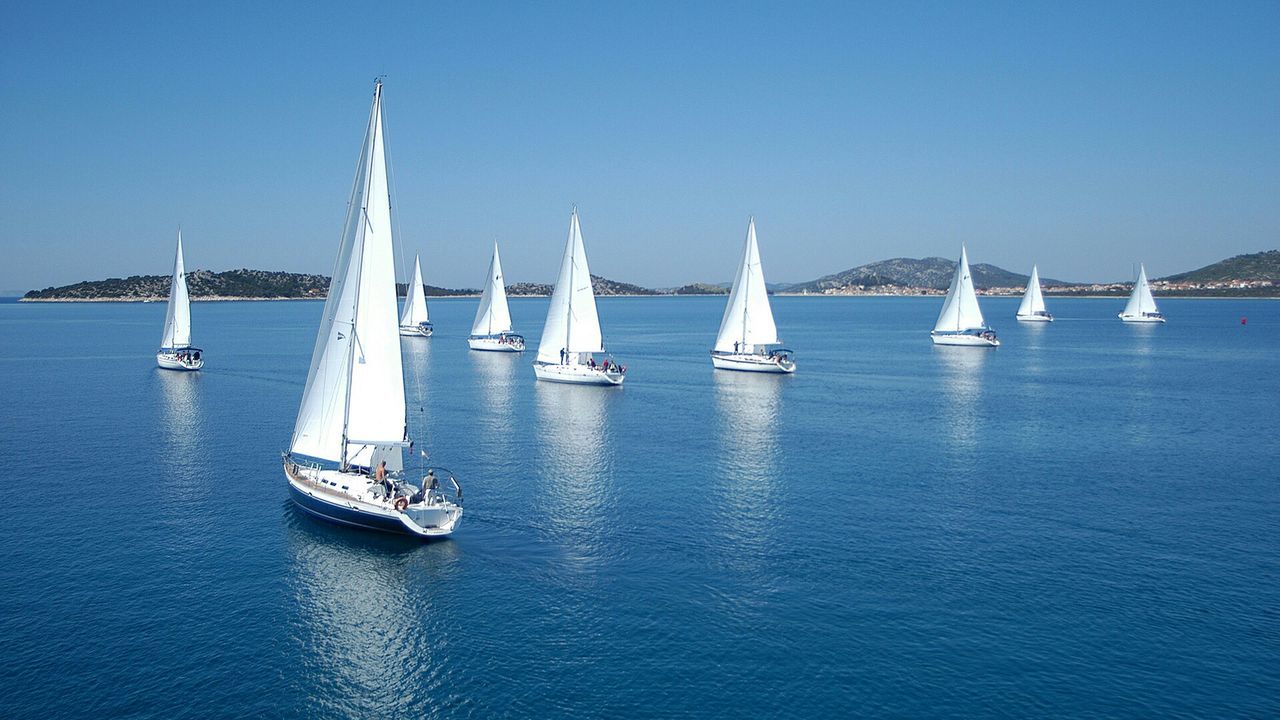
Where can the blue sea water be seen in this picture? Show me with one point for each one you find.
(1084, 522)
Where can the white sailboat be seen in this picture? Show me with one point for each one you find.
(415, 322)
(492, 327)
(176, 351)
(748, 338)
(345, 460)
(961, 322)
(1141, 307)
(571, 336)
(1032, 308)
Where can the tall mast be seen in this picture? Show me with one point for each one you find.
(376, 123)
(573, 253)
(746, 281)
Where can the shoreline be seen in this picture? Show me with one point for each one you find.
(220, 298)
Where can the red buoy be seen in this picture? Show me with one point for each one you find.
(1244, 321)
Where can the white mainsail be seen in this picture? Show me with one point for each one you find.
(960, 310)
(1140, 300)
(177, 319)
(1032, 299)
(493, 316)
(354, 396)
(572, 322)
(415, 305)
(748, 320)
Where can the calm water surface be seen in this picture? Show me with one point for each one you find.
(1085, 522)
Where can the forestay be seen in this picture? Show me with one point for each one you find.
(355, 386)
(1032, 299)
(572, 322)
(748, 319)
(177, 319)
(493, 316)
(415, 304)
(1140, 300)
(960, 310)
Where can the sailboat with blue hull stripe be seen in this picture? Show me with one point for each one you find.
(345, 462)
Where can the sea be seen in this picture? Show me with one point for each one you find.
(1084, 522)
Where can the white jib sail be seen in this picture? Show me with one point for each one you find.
(748, 319)
(415, 304)
(177, 319)
(1140, 300)
(493, 316)
(1032, 299)
(960, 310)
(355, 387)
(572, 322)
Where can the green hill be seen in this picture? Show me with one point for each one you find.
(931, 272)
(1255, 266)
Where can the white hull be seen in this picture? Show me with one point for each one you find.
(963, 340)
(1035, 318)
(750, 363)
(494, 345)
(358, 506)
(576, 374)
(415, 331)
(1140, 319)
(171, 362)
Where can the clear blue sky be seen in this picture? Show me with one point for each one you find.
(1081, 136)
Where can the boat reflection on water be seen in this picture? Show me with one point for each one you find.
(181, 420)
(575, 467)
(749, 406)
(367, 613)
(962, 378)
(496, 377)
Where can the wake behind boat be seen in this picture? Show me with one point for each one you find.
(176, 351)
(961, 322)
(345, 462)
(748, 338)
(1141, 307)
(491, 329)
(415, 322)
(1032, 308)
(571, 337)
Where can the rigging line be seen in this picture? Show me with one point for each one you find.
(398, 243)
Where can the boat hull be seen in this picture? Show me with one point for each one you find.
(492, 344)
(963, 340)
(342, 509)
(750, 363)
(1141, 319)
(1035, 318)
(576, 374)
(423, 330)
(171, 362)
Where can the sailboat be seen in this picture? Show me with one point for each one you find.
(492, 327)
(960, 322)
(571, 336)
(345, 461)
(748, 338)
(1142, 306)
(176, 352)
(1032, 307)
(414, 322)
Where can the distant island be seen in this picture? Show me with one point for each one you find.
(1251, 275)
